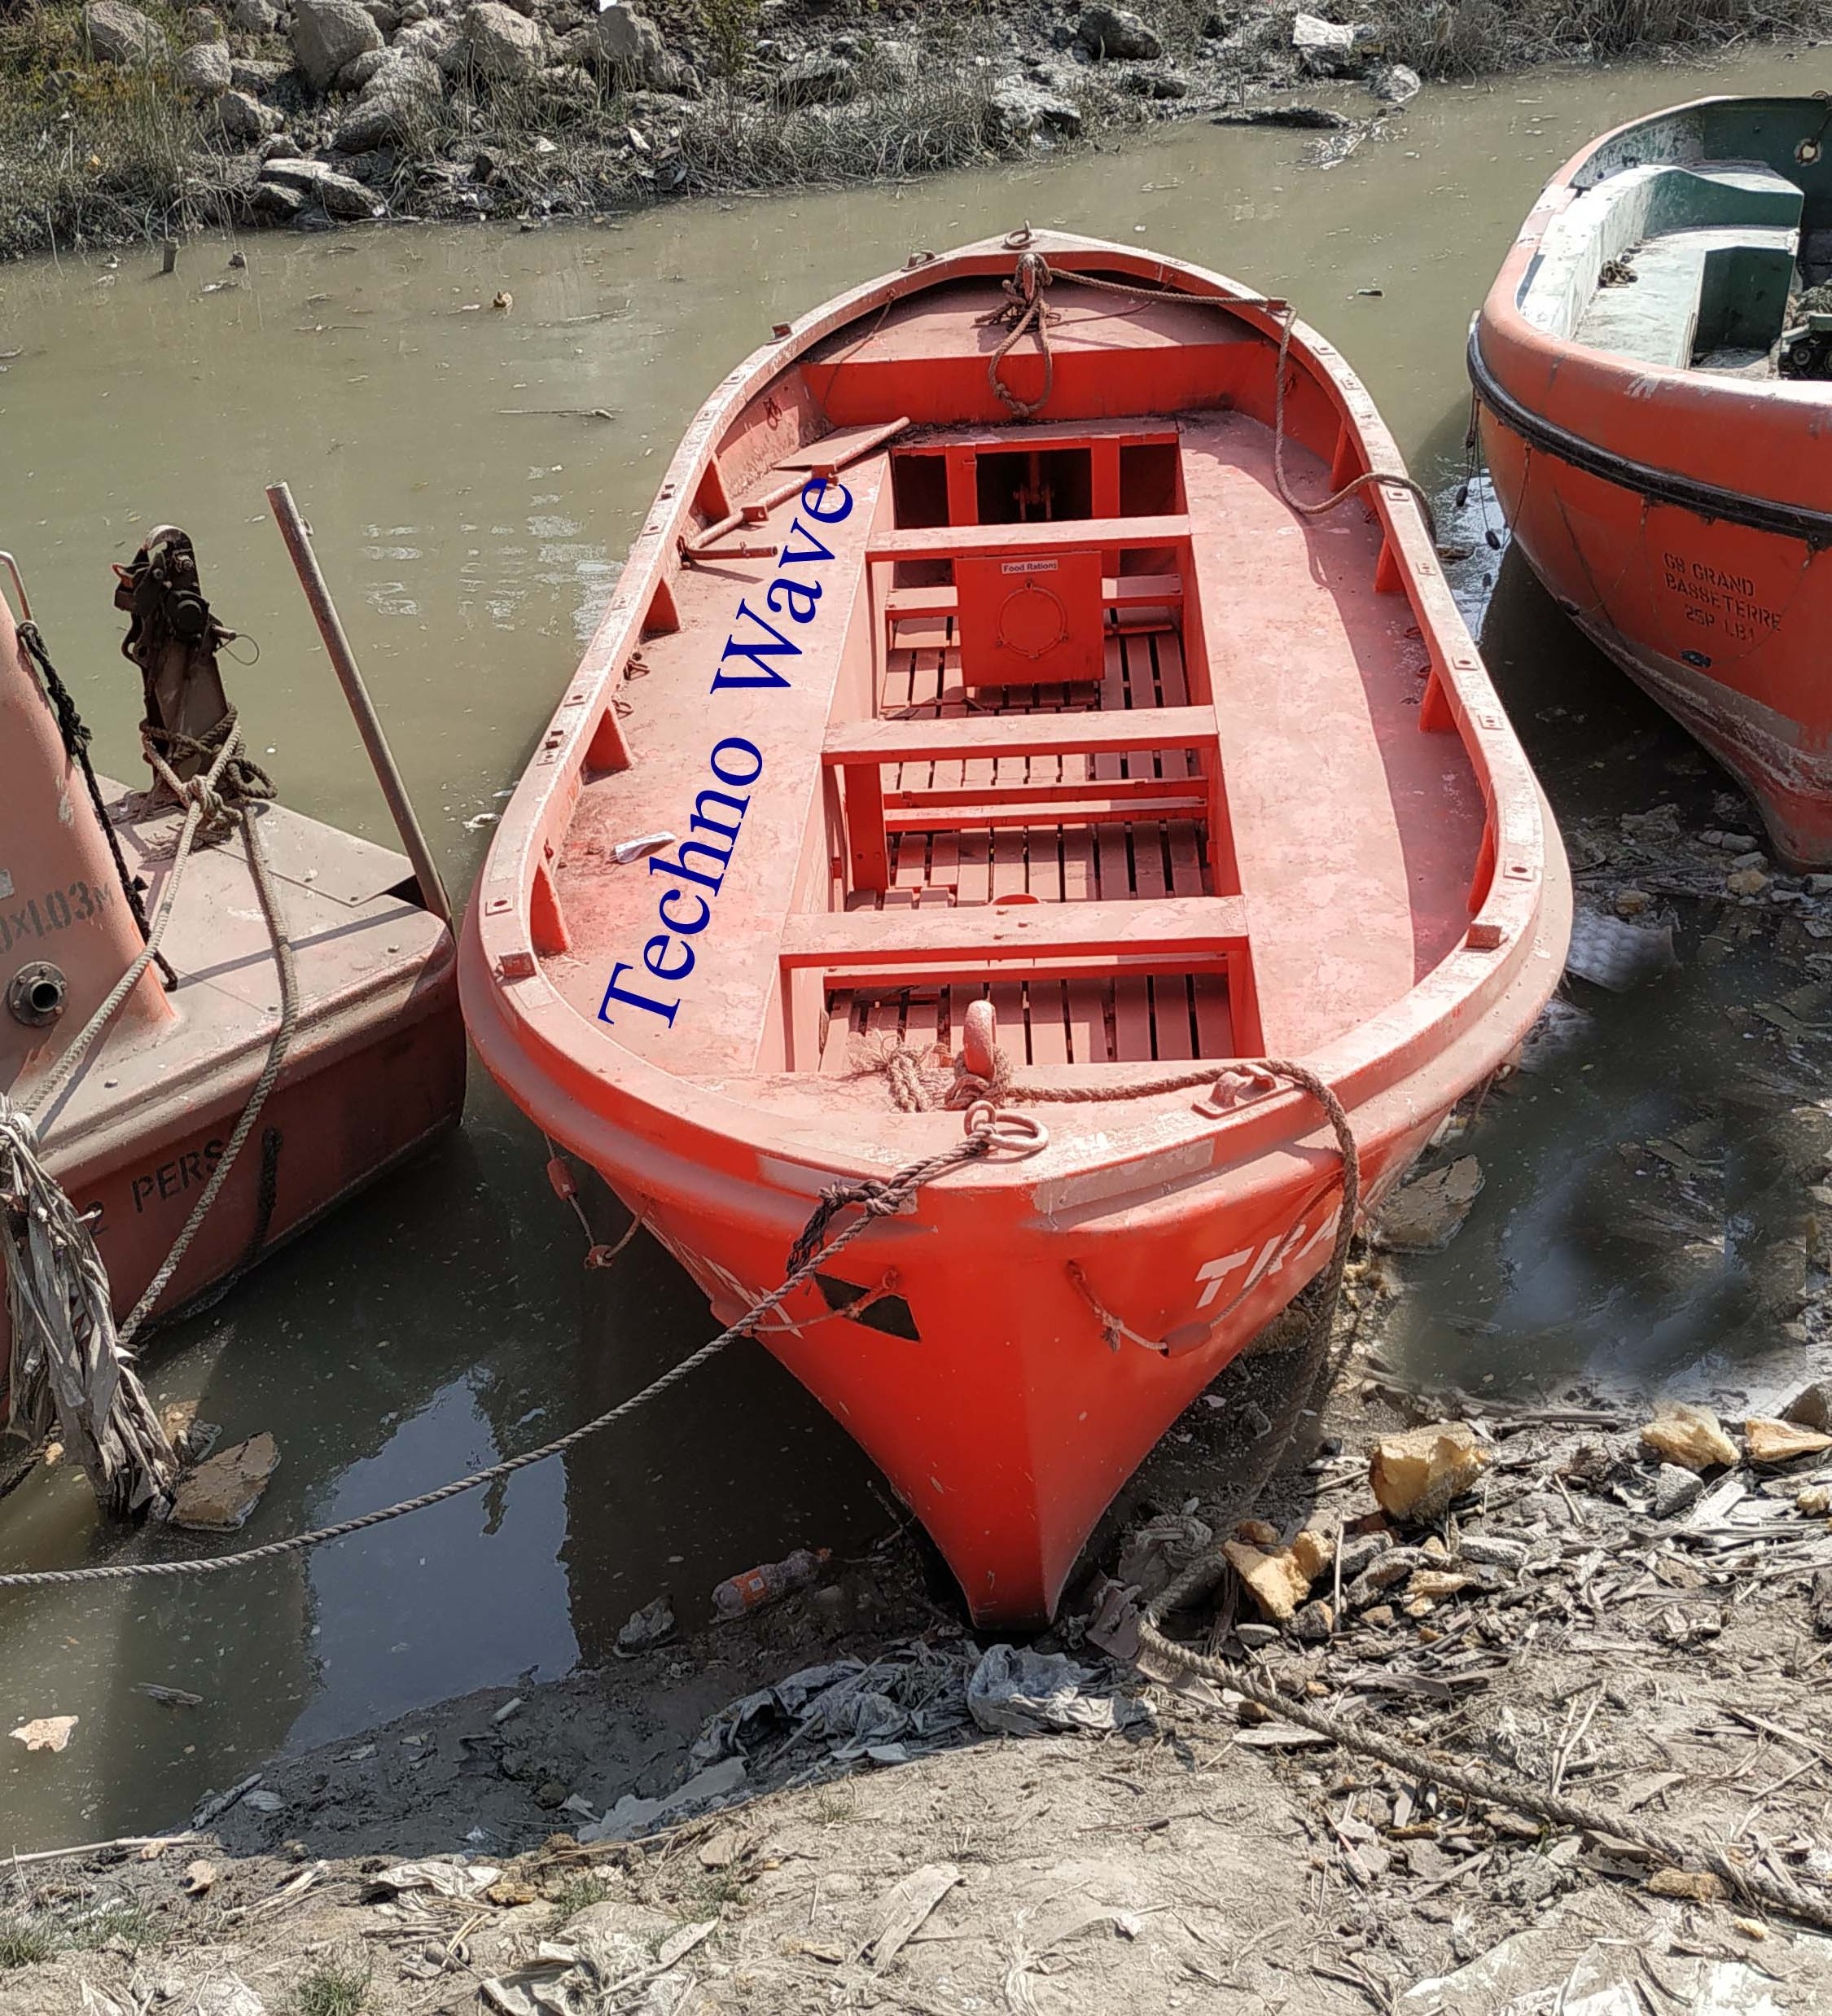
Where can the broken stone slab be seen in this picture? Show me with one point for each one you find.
(1692, 1437)
(1417, 1475)
(1425, 1215)
(1677, 1489)
(1277, 1584)
(1782, 1441)
(218, 1496)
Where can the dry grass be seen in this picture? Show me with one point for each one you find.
(1478, 35)
(89, 153)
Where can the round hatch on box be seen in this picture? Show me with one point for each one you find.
(1032, 621)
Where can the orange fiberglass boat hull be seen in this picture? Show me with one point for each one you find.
(1672, 492)
(376, 1066)
(900, 707)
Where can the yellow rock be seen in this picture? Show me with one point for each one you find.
(1816, 1502)
(1698, 1886)
(1746, 882)
(1780, 1441)
(1437, 1582)
(1257, 1533)
(1275, 1582)
(1417, 1474)
(1692, 1437)
(1314, 1551)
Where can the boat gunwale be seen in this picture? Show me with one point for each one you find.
(554, 1045)
(1504, 346)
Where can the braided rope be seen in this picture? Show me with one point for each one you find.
(879, 1199)
(1398, 479)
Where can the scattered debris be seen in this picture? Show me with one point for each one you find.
(771, 1583)
(167, 1697)
(902, 1910)
(1782, 1441)
(219, 1495)
(201, 1876)
(652, 1625)
(444, 1876)
(1612, 953)
(1016, 1691)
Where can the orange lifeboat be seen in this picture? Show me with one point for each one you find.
(976, 715)
(1653, 368)
(130, 1115)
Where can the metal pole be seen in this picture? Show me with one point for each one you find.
(331, 627)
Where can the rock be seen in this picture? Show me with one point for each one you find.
(1815, 1502)
(1677, 1489)
(1314, 1623)
(203, 69)
(218, 1496)
(1696, 1885)
(1427, 1213)
(620, 43)
(385, 17)
(1433, 1584)
(201, 25)
(1275, 1582)
(496, 42)
(433, 40)
(277, 202)
(1811, 1407)
(404, 85)
(1314, 1551)
(1259, 1533)
(116, 32)
(255, 17)
(341, 195)
(45, 1732)
(1016, 112)
(1692, 1437)
(1417, 1474)
(254, 75)
(1394, 83)
(1117, 31)
(327, 35)
(245, 121)
(816, 80)
(355, 76)
(1631, 902)
(1782, 1441)
(1746, 882)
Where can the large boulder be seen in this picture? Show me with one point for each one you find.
(255, 17)
(255, 74)
(329, 34)
(203, 69)
(202, 25)
(1117, 31)
(1017, 112)
(117, 32)
(822, 79)
(244, 120)
(495, 41)
(397, 95)
(619, 45)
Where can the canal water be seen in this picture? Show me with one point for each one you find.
(470, 506)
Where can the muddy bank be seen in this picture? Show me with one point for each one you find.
(848, 1802)
(120, 122)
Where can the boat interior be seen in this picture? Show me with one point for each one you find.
(1085, 719)
(1700, 239)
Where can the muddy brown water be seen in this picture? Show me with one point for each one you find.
(472, 534)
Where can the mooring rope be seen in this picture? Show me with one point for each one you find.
(876, 1199)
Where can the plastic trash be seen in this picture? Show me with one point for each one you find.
(769, 1583)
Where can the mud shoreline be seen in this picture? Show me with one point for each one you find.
(121, 124)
